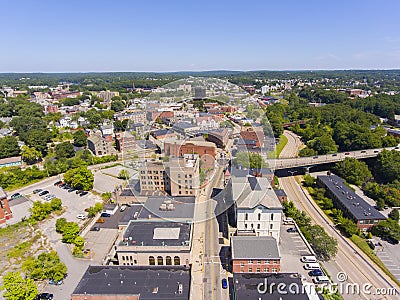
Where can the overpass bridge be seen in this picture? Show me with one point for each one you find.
(287, 163)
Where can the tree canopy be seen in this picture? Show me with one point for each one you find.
(80, 178)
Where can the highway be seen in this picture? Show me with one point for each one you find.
(358, 268)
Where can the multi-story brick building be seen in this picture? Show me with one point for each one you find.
(153, 178)
(5, 211)
(252, 134)
(261, 257)
(206, 150)
(125, 142)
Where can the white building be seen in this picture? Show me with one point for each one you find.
(257, 208)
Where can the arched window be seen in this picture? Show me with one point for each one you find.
(168, 260)
(177, 260)
(160, 260)
(152, 261)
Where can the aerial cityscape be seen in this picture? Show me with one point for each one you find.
(175, 150)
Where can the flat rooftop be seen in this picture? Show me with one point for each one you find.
(169, 208)
(156, 233)
(151, 282)
(262, 247)
(356, 205)
(245, 285)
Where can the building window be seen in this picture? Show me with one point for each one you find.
(246, 216)
(266, 270)
(259, 217)
(250, 269)
(258, 226)
(152, 261)
(168, 260)
(259, 261)
(271, 226)
(245, 226)
(274, 270)
(177, 261)
(250, 261)
(258, 270)
(272, 217)
(160, 260)
(242, 264)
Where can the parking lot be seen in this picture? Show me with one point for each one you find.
(390, 256)
(292, 248)
(20, 209)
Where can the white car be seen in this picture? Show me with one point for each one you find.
(81, 217)
(49, 197)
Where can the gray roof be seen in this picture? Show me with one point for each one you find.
(249, 192)
(254, 247)
(280, 193)
(183, 208)
(150, 282)
(354, 204)
(146, 233)
(245, 285)
(9, 160)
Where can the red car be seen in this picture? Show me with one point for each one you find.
(347, 153)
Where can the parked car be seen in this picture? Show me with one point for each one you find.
(49, 197)
(71, 189)
(37, 191)
(83, 193)
(100, 220)
(321, 279)
(78, 191)
(95, 228)
(315, 157)
(105, 215)
(308, 259)
(123, 207)
(316, 273)
(16, 196)
(347, 153)
(363, 151)
(52, 281)
(224, 283)
(288, 221)
(57, 182)
(81, 217)
(43, 193)
(376, 151)
(334, 154)
(292, 229)
(44, 296)
(62, 185)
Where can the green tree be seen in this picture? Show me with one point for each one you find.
(60, 223)
(9, 147)
(46, 266)
(394, 214)
(80, 139)
(323, 144)
(325, 246)
(387, 167)
(70, 232)
(347, 226)
(79, 242)
(388, 230)
(353, 171)
(307, 152)
(30, 155)
(64, 150)
(117, 105)
(17, 288)
(80, 178)
(308, 180)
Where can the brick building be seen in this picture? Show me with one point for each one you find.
(262, 257)
(206, 150)
(5, 211)
(254, 134)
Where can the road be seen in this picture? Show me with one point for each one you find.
(358, 268)
(286, 162)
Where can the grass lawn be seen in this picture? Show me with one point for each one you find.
(278, 149)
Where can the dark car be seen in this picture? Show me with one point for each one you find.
(363, 151)
(224, 283)
(16, 196)
(66, 187)
(83, 193)
(347, 153)
(78, 191)
(62, 185)
(46, 296)
(95, 228)
(315, 157)
(292, 229)
(71, 190)
(43, 193)
(37, 191)
(376, 151)
(57, 182)
(105, 215)
(316, 272)
(334, 154)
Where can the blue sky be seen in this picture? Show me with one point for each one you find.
(168, 35)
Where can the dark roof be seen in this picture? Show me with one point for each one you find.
(354, 204)
(245, 285)
(183, 125)
(132, 213)
(262, 247)
(161, 132)
(144, 232)
(280, 193)
(262, 171)
(151, 282)
(146, 144)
